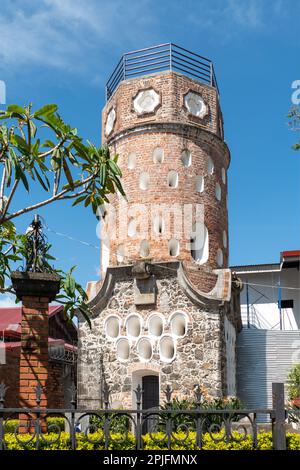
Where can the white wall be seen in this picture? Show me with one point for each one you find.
(263, 306)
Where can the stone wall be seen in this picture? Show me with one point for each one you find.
(198, 356)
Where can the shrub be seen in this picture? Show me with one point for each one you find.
(294, 382)
(59, 423)
(210, 420)
(120, 442)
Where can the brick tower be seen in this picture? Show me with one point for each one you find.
(165, 310)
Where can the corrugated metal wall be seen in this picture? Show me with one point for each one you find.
(263, 357)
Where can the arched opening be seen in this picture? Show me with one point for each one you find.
(112, 326)
(224, 239)
(173, 245)
(199, 184)
(158, 224)
(131, 230)
(199, 243)
(131, 161)
(218, 192)
(144, 180)
(186, 158)
(172, 179)
(224, 175)
(144, 248)
(120, 253)
(210, 166)
(158, 155)
(220, 257)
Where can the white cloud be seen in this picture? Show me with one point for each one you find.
(7, 300)
(79, 35)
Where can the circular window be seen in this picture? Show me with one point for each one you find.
(186, 158)
(158, 155)
(220, 257)
(144, 349)
(112, 326)
(123, 349)
(156, 325)
(167, 348)
(133, 326)
(179, 324)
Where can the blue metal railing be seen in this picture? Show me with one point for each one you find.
(154, 59)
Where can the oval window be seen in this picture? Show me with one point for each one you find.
(131, 161)
(133, 326)
(199, 184)
(172, 179)
(144, 248)
(173, 245)
(144, 180)
(144, 349)
(179, 324)
(220, 257)
(112, 327)
(210, 166)
(200, 243)
(158, 155)
(155, 326)
(123, 349)
(167, 349)
(218, 192)
(186, 158)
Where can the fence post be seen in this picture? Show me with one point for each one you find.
(278, 417)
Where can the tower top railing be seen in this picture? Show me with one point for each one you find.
(154, 59)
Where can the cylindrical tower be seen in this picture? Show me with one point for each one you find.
(166, 310)
(167, 129)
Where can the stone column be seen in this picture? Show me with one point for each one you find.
(36, 290)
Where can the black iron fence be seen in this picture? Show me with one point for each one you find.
(167, 56)
(168, 427)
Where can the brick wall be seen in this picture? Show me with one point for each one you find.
(173, 129)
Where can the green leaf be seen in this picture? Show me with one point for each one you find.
(68, 174)
(114, 167)
(46, 185)
(46, 110)
(21, 143)
(78, 200)
(14, 108)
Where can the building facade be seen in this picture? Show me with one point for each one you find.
(269, 344)
(166, 310)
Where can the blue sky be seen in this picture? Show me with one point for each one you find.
(63, 51)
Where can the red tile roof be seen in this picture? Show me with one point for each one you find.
(10, 317)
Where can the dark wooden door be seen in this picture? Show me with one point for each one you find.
(150, 386)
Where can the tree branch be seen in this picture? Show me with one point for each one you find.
(47, 201)
(13, 190)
